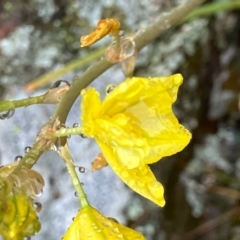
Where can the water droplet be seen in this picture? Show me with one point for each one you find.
(95, 227)
(98, 230)
(75, 78)
(75, 194)
(82, 183)
(18, 158)
(113, 219)
(155, 188)
(7, 114)
(82, 169)
(82, 135)
(127, 48)
(125, 174)
(115, 230)
(60, 83)
(110, 88)
(27, 238)
(37, 206)
(89, 234)
(120, 236)
(76, 125)
(27, 149)
(73, 218)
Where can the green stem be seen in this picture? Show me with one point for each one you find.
(63, 132)
(212, 8)
(71, 66)
(65, 154)
(11, 105)
(29, 159)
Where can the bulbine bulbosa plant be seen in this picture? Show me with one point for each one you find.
(134, 126)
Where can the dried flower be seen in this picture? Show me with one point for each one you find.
(105, 27)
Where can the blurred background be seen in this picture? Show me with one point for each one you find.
(202, 183)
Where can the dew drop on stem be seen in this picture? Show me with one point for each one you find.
(82, 169)
(76, 125)
(37, 206)
(113, 219)
(127, 48)
(7, 114)
(60, 83)
(82, 135)
(27, 149)
(18, 158)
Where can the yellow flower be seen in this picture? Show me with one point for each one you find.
(91, 224)
(135, 126)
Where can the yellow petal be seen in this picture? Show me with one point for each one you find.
(90, 107)
(91, 224)
(140, 179)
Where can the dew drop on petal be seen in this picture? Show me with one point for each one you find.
(84, 215)
(7, 114)
(90, 234)
(115, 230)
(155, 188)
(18, 158)
(27, 149)
(113, 219)
(75, 194)
(37, 206)
(125, 174)
(120, 236)
(110, 88)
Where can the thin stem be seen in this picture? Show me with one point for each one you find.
(65, 154)
(212, 8)
(11, 105)
(29, 159)
(63, 132)
(71, 66)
